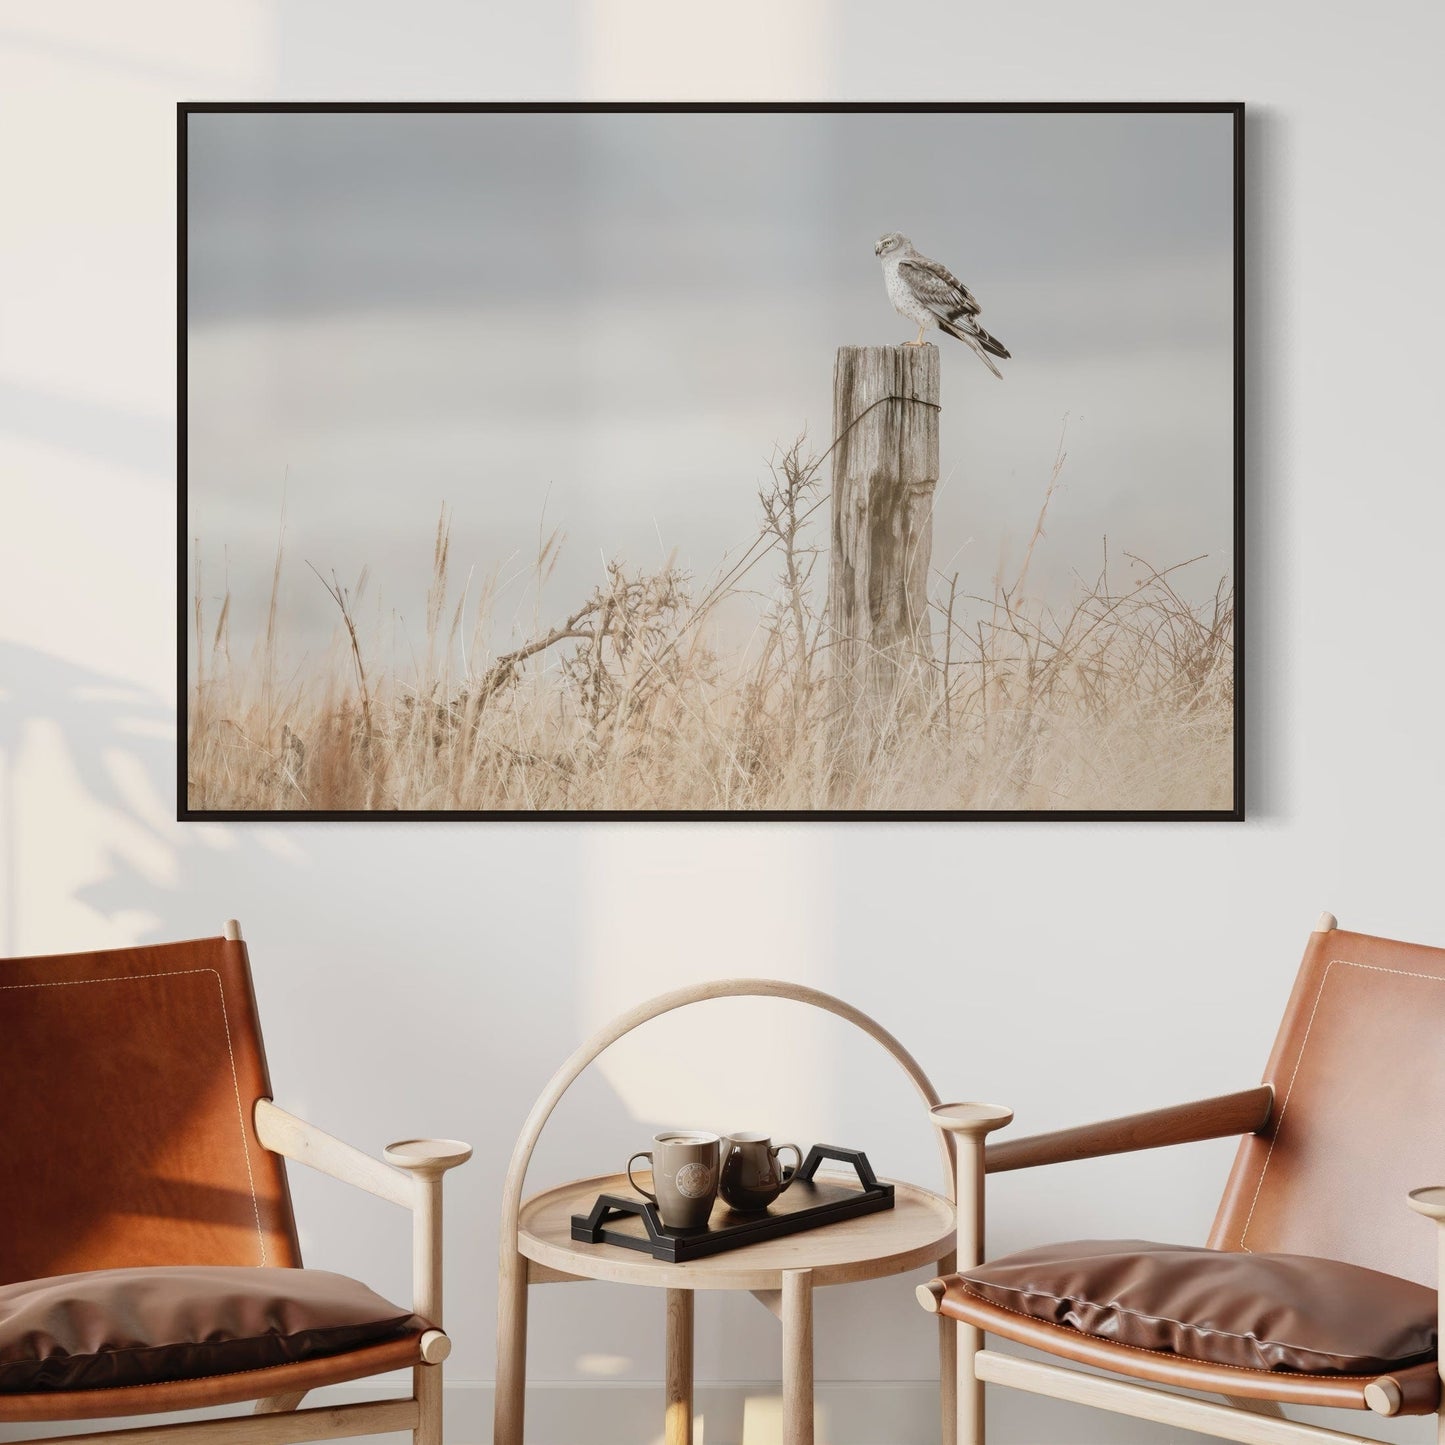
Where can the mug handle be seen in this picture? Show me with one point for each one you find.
(792, 1173)
(646, 1193)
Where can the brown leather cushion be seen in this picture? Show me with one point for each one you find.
(1256, 1311)
(116, 1327)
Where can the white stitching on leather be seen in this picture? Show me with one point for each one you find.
(230, 1052)
(982, 1285)
(1400, 972)
(1304, 1044)
(1283, 1109)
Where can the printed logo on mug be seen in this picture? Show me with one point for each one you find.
(693, 1180)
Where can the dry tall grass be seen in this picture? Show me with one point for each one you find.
(1123, 699)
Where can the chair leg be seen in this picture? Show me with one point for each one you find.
(969, 1414)
(427, 1383)
(969, 1124)
(948, 1362)
(279, 1404)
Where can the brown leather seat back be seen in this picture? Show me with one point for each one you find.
(129, 1078)
(1358, 1071)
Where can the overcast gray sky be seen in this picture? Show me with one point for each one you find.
(613, 319)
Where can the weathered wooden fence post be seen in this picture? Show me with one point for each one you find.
(885, 469)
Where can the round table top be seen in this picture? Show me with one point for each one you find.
(918, 1230)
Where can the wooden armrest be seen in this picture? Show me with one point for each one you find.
(415, 1184)
(427, 1157)
(1246, 1112)
(1430, 1202)
(427, 1160)
(971, 1118)
(294, 1138)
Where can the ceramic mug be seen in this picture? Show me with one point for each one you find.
(684, 1174)
(752, 1178)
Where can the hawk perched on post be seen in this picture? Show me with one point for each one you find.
(929, 294)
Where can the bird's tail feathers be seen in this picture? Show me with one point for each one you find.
(980, 342)
(989, 343)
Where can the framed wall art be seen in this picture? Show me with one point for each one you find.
(648, 461)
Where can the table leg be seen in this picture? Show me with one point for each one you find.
(511, 1351)
(798, 1357)
(678, 1427)
(948, 1362)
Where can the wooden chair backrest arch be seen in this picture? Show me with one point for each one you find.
(665, 1003)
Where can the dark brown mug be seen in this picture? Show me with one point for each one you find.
(752, 1178)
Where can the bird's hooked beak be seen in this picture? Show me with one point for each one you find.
(878, 248)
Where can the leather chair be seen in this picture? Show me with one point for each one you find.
(148, 1254)
(1318, 1286)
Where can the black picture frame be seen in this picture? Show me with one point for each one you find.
(1235, 812)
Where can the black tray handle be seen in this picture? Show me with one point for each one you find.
(608, 1207)
(856, 1157)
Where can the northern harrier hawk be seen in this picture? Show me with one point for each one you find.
(931, 295)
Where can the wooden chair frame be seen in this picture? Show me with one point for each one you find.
(412, 1178)
(1249, 1421)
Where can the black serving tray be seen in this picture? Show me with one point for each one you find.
(805, 1204)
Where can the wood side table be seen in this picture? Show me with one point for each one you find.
(538, 1248)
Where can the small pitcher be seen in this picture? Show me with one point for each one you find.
(751, 1175)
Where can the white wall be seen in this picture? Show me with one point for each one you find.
(427, 978)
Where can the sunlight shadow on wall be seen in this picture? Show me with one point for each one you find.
(89, 852)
